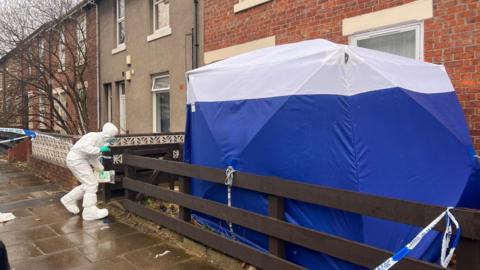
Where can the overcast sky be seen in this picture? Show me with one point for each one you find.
(19, 18)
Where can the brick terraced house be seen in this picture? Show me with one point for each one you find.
(439, 31)
(50, 78)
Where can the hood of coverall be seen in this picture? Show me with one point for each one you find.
(109, 130)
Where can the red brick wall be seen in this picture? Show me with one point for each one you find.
(20, 151)
(60, 175)
(452, 37)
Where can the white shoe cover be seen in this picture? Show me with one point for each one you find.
(70, 205)
(93, 213)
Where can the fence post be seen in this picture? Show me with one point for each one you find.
(276, 209)
(468, 254)
(184, 186)
(131, 173)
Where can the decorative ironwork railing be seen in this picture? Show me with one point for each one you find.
(53, 148)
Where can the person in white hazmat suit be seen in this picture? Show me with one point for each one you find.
(82, 157)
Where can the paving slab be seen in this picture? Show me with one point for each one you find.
(31, 221)
(109, 231)
(59, 261)
(116, 263)
(164, 255)
(23, 251)
(77, 224)
(194, 264)
(46, 236)
(6, 207)
(118, 246)
(64, 242)
(26, 236)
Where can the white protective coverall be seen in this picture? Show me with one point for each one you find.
(84, 154)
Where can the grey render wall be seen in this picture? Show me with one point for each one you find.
(172, 54)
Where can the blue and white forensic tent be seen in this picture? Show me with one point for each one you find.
(338, 116)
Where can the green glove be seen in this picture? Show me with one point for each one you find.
(105, 149)
(104, 175)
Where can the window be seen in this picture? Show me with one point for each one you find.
(120, 22)
(61, 50)
(60, 103)
(161, 14)
(41, 111)
(161, 20)
(161, 103)
(401, 40)
(81, 39)
(41, 53)
(246, 4)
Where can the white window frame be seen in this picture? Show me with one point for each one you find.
(247, 4)
(81, 39)
(41, 53)
(155, 91)
(120, 20)
(61, 50)
(61, 96)
(160, 32)
(122, 106)
(419, 36)
(157, 2)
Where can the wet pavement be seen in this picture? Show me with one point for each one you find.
(45, 236)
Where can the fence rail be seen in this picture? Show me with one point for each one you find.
(166, 146)
(280, 231)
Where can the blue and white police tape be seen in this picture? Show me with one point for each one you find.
(29, 133)
(446, 245)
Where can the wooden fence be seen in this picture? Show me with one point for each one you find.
(279, 231)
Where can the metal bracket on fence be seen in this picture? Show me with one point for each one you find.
(230, 173)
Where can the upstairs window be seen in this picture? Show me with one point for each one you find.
(60, 103)
(41, 53)
(161, 14)
(81, 39)
(120, 17)
(406, 40)
(61, 50)
(41, 111)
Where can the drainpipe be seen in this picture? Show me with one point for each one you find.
(195, 35)
(98, 63)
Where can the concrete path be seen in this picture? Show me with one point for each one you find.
(45, 236)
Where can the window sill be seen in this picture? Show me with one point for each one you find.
(120, 48)
(166, 31)
(246, 4)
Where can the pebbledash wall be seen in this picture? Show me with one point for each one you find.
(449, 32)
